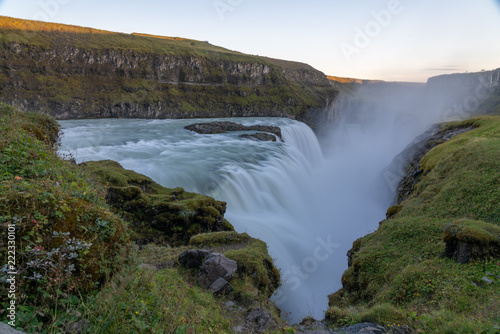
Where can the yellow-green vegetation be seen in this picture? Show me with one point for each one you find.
(76, 72)
(343, 80)
(158, 214)
(46, 34)
(399, 276)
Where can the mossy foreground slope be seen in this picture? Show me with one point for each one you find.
(77, 269)
(402, 276)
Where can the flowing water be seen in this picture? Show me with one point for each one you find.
(306, 205)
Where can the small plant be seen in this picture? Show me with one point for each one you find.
(58, 261)
(186, 213)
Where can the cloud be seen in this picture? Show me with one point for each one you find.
(446, 68)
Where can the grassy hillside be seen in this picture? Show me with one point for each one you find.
(47, 34)
(399, 276)
(77, 267)
(75, 72)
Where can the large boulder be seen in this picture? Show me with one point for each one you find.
(221, 286)
(216, 266)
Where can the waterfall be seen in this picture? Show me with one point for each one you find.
(306, 206)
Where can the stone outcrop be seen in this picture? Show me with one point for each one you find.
(226, 126)
(469, 240)
(259, 321)
(260, 136)
(221, 286)
(216, 266)
(193, 258)
(157, 214)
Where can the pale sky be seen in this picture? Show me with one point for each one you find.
(397, 40)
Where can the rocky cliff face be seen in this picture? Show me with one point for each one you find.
(465, 81)
(95, 75)
(451, 97)
(467, 94)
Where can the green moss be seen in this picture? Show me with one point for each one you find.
(156, 213)
(219, 239)
(393, 210)
(257, 277)
(254, 261)
(339, 317)
(472, 231)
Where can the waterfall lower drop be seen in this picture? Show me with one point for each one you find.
(307, 207)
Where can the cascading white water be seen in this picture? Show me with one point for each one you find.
(307, 207)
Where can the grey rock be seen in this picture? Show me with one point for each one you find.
(259, 320)
(362, 328)
(487, 280)
(372, 330)
(260, 136)
(193, 258)
(489, 274)
(216, 266)
(225, 126)
(318, 325)
(229, 304)
(78, 327)
(238, 329)
(221, 286)
(6, 329)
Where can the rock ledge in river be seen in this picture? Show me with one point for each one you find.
(225, 126)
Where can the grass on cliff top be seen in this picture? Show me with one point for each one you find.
(52, 34)
(399, 278)
(46, 34)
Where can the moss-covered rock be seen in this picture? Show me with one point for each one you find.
(256, 277)
(393, 210)
(469, 240)
(158, 214)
